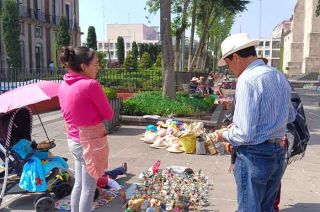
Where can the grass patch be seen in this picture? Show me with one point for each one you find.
(153, 103)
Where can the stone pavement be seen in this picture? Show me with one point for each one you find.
(300, 184)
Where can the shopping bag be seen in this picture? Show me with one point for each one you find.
(188, 142)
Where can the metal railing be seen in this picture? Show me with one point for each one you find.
(142, 80)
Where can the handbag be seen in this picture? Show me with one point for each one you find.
(209, 145)
(200, 147)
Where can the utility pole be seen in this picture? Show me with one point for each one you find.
(260, 15)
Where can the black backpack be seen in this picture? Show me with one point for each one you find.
(297, 131)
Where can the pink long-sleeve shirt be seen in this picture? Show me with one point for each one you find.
(82, 102)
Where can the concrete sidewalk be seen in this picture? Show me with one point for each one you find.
(300, 184)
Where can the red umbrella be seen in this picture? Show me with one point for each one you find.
(28, 95)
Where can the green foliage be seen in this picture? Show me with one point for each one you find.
(63, 37)
(135, 50)
(131, 62)
(318, 8)
(145, 61)
(110, 93)
(158, 61)
(92, 38)
(102, 60)
(10, 19)
(150, 79)
(153, 103)
(120, 50)
(143, 47)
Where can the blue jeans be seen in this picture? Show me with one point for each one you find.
(115, 172)
(258, 172)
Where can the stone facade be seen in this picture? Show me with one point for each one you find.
(301, 44)
(39, 21)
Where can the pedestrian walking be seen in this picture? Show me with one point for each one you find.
(262, 110)
(84, 107)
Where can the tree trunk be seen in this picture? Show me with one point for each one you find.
(168, 84)
(177, 54)
(179, 34)
(193, 23)
(205, 26)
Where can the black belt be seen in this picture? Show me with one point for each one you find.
(280, 141)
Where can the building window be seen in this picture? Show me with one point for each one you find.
(111, 45)
(112, 54)
(267, 52)
(21, 28)
(275, 63)
(275, 53)
(99, 45)
(38, 32)
(275, 44)
(260, 53)
(261, 43)
(106, 45)
(22, 53)
(39, 57)
(267, 43)
(128, 45)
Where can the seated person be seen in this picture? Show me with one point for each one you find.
(202, 87)
(108, 180)
(210, 82)
(193, 85)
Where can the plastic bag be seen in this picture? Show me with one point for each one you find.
(188, 142)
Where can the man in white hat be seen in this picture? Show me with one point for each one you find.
(193, 85)
(262, 111)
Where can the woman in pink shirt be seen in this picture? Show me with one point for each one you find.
(84, 107)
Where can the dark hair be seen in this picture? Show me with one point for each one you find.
(74, 57)
(247, 52)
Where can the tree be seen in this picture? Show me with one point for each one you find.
(10, 20)
(207, 13)
(145, 61)
(318, 8)
(63, 37)
(131, 62)
(102, 60)
(168, 84)
(92, 38)
(135, 50)
(143, 47)
(120, 50)
(180, 22)
(193, 24)
(158, 61)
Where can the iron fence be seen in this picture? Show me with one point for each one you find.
(13, 78)
(142, 80)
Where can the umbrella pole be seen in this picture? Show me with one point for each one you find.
(45, 131)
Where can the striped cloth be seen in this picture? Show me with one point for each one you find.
(263, 107)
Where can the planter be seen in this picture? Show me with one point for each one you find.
(125, 95)
(114, 124)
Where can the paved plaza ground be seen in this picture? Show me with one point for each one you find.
(300, 184)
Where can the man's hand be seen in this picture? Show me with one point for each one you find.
(218, 134)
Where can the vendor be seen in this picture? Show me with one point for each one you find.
(193, 85)
(108, 181)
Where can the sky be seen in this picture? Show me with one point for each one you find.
(98, 13)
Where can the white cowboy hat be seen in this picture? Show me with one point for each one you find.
(175, 148)
(159, 143)
(194, 79)
(235, 43)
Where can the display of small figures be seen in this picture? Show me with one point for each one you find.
(170, 190)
